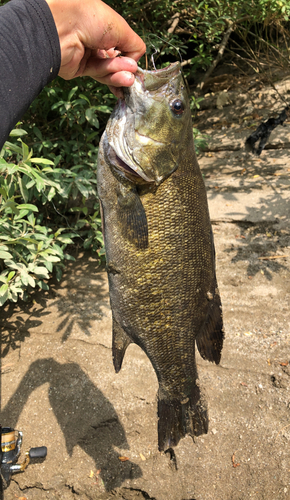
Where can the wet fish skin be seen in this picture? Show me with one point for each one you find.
(159, 246)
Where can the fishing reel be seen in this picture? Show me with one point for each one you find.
(11, 441)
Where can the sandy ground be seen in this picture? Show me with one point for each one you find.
(58, 382)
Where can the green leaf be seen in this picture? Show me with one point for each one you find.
(49, 266)
(67, 256)
(83, 189)
(3, 298)
(91, 117)
(65, 239)
(23, 188)
(27, 206)
(37, 132)
(24, 278)
(41, 272)
(21, 215)
(25, 151)
(42, 285)
(13, 147)
(17, 132)
(3, 289)
(72, 92)
(52, 258)
(29, 185)
(31, 281)
(42, 161)
(5, 255)
(104, 109)
(85, 98)
(10, 276)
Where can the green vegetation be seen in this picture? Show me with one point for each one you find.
(48, 199)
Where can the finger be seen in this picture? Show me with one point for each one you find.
(100, 68)
(132, 46)
(107, 54)
(120, 79)
(117, 91)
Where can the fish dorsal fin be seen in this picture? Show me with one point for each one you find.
(209, 341)
(132, 217)
(120, 344)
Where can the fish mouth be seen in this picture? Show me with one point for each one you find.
(120, 153)
(152, 80)
(123, 166)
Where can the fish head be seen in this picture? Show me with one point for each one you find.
(146, 132)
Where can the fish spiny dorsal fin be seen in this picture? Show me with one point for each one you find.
(120, 344)
(209, 341)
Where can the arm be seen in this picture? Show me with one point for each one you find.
(29, 58)
(40, 39)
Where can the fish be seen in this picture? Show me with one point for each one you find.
(159, 246)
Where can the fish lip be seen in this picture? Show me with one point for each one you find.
(168, 72)
(163, 73)
(118, 162)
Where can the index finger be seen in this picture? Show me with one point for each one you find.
(114, 31)
(132, 46)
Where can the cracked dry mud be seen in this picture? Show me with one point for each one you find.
(58, 382)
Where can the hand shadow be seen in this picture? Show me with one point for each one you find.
(85, 416)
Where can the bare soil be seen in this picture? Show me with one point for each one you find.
(58, 382)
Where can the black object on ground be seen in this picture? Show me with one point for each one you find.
(264, 130)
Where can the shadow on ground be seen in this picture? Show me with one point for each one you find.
(85, 416)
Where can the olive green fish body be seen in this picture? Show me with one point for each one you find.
(161, 269)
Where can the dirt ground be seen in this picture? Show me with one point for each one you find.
(58, 382)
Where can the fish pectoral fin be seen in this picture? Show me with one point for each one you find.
(132, 217)
(120, 343)
(210, 339)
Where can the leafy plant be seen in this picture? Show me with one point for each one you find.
(48, 197)
(32, 240)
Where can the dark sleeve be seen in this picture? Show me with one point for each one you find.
(29, 58)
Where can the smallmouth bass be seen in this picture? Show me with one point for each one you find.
(159, 246)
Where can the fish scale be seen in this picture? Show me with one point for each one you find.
(159, 249)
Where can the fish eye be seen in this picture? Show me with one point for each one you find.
(177, 106)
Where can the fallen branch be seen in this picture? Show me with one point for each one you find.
(219, 56)
(148, 4)
(270, 257)
(222, 147)
(222, 46)
(174, 22)
(184, 63)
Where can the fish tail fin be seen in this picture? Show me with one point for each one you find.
(177, 418)
(210, 339)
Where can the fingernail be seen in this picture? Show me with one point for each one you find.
(129, 76)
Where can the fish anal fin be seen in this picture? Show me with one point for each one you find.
(210, 339)
(132, 217)
(120, 344)
(178, 418)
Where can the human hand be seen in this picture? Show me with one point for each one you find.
(91, 36)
